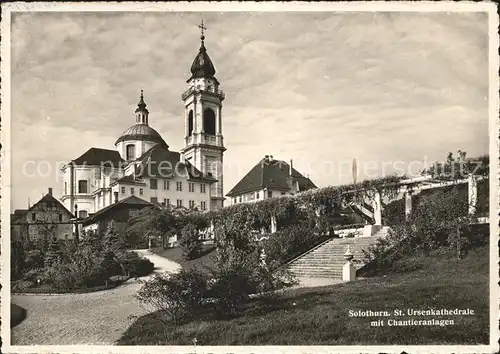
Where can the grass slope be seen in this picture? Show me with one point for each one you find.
(320, 316)
(175, 255)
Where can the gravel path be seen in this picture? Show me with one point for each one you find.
(98, 318)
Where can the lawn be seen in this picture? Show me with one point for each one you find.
(175, 255)
(320, 316)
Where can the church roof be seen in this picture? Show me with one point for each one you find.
(202, 65)
(142, 132)
(272, 174)
(159, 161)
(98, 156)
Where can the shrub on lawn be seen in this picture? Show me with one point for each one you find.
(190, 241)
(174, 297)
(136, 266)
(241, 272)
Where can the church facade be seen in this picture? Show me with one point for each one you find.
(142, 164)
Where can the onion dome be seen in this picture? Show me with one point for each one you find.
(141, 106)
(202, 65)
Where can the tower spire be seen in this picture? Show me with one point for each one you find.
(141, 111)
(202, 29)
(202, 65)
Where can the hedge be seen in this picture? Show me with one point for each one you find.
(51, 290)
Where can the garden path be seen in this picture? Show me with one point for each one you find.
(98, 318)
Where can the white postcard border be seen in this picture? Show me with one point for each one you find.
(424, 6)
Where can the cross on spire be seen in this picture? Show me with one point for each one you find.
(203, 29)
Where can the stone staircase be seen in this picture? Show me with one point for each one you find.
(327, 259)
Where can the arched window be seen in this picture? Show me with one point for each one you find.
(130, 152)
(209, 121)
(190, 123)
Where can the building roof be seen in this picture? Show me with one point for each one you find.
(97, 157)
(202, 65)
(129, 202)
(272, 174)
(143, 132)
(160, 162)
(129, 179)
(19, 213)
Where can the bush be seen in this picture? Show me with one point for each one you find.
(136, 266)
(34, 274)
(230, 288)
(241, 272)
(190, 242)
(439, 221)
(175, 297)
(21, 285)
(109, 265)
(34, 259)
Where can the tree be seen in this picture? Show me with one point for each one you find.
(18, 263)
(112, 242)
(460, 167)
(190, 241)
(54, 254)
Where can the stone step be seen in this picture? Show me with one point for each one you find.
(320, 275)
(319, 261)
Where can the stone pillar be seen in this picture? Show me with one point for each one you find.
(212, 229)
(348, 271)
(377, 209)
(274, 226)
(408, 204)
(472, 182)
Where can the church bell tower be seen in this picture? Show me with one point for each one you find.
(203, 141)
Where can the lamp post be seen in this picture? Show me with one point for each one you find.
(77, 229)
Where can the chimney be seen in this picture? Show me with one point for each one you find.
(291, 167)
(50, 191)
(116, 197)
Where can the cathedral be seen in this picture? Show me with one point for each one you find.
(142, 164)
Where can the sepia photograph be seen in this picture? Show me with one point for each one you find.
(216, 177)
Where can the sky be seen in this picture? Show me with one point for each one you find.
(392, 90)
